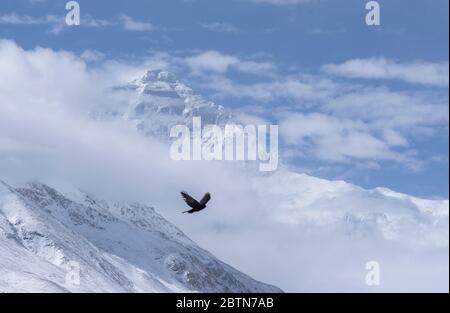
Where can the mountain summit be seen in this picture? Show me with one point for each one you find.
(158, 101)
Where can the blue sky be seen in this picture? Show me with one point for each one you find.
(310, 57)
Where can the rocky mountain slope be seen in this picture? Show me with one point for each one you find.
(47, 237)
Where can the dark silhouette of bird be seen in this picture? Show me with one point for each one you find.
(194, 204)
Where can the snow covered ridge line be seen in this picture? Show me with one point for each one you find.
(322, 204)
(54, 242)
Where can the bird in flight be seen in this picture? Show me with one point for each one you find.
(194, 204)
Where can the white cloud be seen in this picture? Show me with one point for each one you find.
(394, 138)
(88, 20)
(302, 87)
(382, 107)
(212, 61)
(209, 62)
(16, 19)
(333, 139)
(426, 73)
(132, 25)
(352, 122)
(90, 55)
(220, 27)
(57, 23)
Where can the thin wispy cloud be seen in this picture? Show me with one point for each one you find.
(214, 61)
(16, 19)
(90, 55)
(420, 72)
(330, 138)
(209, 63)
(131, 24)
(89, 21)
(57, 23)
(220, 27)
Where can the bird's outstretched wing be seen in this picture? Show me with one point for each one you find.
(205, 198)
(189, 200)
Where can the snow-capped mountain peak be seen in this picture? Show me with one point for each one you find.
(159, 100)
(158, 75)
(160, 82)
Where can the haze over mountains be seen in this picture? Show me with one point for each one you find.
(299, 232)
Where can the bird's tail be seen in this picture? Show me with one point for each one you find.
(185, 212)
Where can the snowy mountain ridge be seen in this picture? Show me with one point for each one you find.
(119, 247)
(300, 199)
